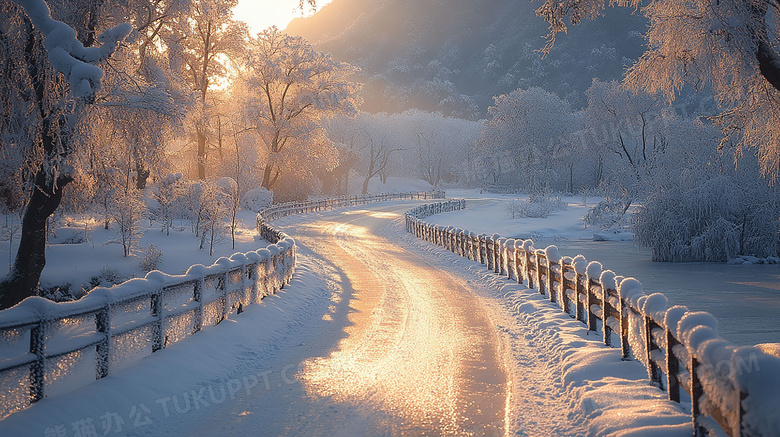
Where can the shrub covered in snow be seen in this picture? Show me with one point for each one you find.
(714, 220)
(257, 199)
(535, 207)
(151, 258)
(607, 214)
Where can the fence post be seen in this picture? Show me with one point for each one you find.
(510, 258)
(453, 240)
(251, 273)
(740, 412)
(606, 309)
(537, 257)
(157, 341)
(623, 308)
(527, 266)
(672, 368)
(489, 252)
(551, 279)
(650, 345)
(499, 267)
(590, 300)
(496, 254)
(578, 292)
(565, 296)
(696, 392)
(197, 296)
(38, 367)
(103, 349)
(223, 287)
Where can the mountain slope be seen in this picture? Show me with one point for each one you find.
(455, 55)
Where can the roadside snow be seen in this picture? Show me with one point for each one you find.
(80, 249)
(488, 213)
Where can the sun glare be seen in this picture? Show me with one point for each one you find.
(260, 15)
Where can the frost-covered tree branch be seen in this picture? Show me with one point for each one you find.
(67, 54)
(728, 47)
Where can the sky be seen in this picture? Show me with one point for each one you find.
(262, 14)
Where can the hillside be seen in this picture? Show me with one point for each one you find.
(455, 55)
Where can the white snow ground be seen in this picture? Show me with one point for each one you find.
(249, 374)
(81, 248)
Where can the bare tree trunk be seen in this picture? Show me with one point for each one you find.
(201, 153)
(141, 174)
(369, 175)
(270, 177)
(22, 280)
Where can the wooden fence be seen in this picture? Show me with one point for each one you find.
(285, 209)
(46, 347)
(679, 348)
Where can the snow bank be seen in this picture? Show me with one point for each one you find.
(613, 394)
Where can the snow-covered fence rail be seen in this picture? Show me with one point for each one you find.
(727, 388)
(284, 209)
(48, 347)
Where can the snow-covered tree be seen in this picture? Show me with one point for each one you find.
(527, 133)
(288, 87)
(202, 41)
(127, 210)
(51, 72)
(345, 133)
(168, 193)
(214, 208)
(729, 47)
(627, 132)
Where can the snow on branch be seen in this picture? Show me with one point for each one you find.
(66, 53)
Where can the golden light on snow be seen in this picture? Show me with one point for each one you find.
(415, 346)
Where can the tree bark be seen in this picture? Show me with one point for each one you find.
(767, 57)
(141, 174)
(45, 198)
(201, 158)
(268, 179)
(769, 64)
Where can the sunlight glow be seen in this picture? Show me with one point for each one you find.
(262, 14)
